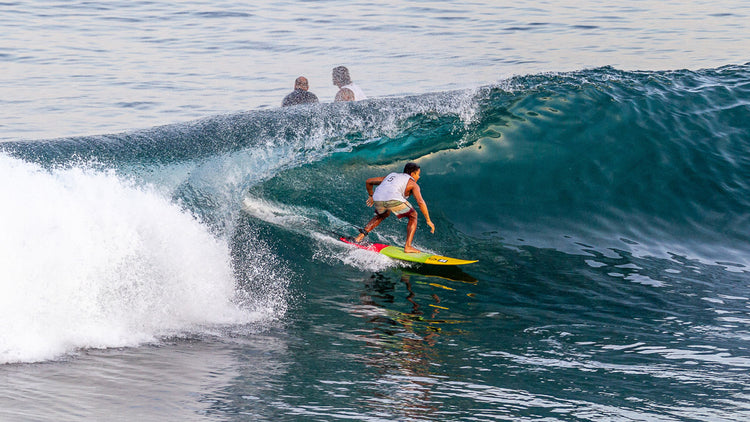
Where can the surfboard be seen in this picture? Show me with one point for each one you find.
(398, 253)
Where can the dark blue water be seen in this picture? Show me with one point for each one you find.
(194, 264)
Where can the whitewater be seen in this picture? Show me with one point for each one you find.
(169, 233)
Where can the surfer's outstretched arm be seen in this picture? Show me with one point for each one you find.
(415, 191)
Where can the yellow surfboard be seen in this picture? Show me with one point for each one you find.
(398, 253)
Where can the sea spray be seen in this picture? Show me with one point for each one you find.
(90, 260)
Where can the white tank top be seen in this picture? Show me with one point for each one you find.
(392, 188)
(358, 93)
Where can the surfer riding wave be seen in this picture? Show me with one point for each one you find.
(390, 196)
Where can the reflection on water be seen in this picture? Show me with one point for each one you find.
(539, 341)
(449, 273)
(401, 344)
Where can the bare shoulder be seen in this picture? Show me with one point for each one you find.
(412, 186)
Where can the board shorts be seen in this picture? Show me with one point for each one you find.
(400, 209)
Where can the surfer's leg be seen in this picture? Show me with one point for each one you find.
(374, 222)
(411, 228)
(361, 236)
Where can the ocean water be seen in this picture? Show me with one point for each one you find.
(169, 232)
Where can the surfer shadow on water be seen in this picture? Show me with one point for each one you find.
(403, 331)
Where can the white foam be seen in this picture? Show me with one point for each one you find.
(306, 221)
(90, 260)
(333, 250)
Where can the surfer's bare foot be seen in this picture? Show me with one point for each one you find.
(360, 237)
(409, 249)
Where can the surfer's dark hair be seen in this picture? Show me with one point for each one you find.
(410, 168)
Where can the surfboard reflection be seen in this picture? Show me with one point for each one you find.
(403, 332)
(450, 273)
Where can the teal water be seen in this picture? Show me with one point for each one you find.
(188, 271)
(606, 208)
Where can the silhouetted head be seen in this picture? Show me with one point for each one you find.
(301, 83)
(341, 76)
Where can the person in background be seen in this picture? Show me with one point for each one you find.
(390, 197)
(300, 95)
(348, 91)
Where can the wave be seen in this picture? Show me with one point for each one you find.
(90, 260)
(656, 158)
(647, 162)
(652, 163)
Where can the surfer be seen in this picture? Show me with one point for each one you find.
(300, 95)
(348, 91)
(390, 196)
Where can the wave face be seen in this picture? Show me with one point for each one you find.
(174, 220)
